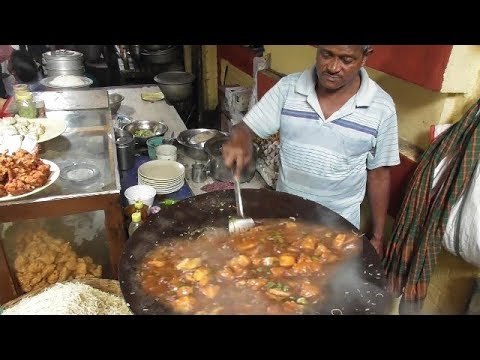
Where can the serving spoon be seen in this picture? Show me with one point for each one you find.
(240, 222)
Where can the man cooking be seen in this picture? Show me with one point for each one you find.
(338, 131)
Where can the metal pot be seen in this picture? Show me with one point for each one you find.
(177, 86)
(55, 72)
(63, 60)
(160, 57)
(213, 210)
(217, 168)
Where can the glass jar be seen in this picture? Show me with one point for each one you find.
(25, 105)
(19, 88)
(40, 105)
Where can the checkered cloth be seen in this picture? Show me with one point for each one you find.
(416, 242)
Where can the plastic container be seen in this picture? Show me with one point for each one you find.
(25, 105)
(135, 224)
(152, 144)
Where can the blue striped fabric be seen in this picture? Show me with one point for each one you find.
(326, 160)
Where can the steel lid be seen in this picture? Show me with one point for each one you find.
(174, 78)
(63, 55)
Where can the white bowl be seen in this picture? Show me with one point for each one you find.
(166, 149)
(144, 193)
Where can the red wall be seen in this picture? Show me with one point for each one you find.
(423, 65)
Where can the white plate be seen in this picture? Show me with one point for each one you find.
(54, 173)
(162, 182)
(164, 191)
(161, 170)
(53, 128)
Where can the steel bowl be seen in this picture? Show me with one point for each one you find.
(158, 128)
(114, 101)
(177, 86)
(196, 150)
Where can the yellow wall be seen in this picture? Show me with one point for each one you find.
(210, 76)
(233, 75)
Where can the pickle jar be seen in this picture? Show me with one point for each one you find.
(25, 105)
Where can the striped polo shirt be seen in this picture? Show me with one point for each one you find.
(326, 160)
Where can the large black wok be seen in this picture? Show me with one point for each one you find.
(357, 287)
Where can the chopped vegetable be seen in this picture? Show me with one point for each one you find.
(143, 133)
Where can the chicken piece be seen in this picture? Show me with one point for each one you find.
(63, 273)
(287, 260)
(88, 260)
(256, 283)
(40, 285)
(184, 304)
(184, 290)
(210, 291)
(308, 242)
(256, 260)
(321, 249)
(243, 243)
(189, 264)
(277, 271)
(53, 277)
(227, 273)
(71, 264)
(308, 290)
(240, 261)
(47, 257)
(81, 269)
(97, 272)
(20, 262)
(48, 270)
(65, 255)
(35, 267)
(200, 275)
(36, 279)
(339, 240)
(292, 307)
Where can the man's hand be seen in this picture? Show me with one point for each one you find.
(377, 243)
(238, 150)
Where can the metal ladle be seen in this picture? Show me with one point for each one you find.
(239, 223)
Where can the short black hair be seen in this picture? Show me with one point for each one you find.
(25, 67)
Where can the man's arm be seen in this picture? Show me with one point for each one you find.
(378, 189)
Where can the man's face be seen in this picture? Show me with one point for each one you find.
(338, 65)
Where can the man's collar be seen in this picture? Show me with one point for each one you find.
(365, 94)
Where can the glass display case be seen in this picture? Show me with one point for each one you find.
(73, 226)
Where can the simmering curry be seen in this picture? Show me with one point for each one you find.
(278, 267)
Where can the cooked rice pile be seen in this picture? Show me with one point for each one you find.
(70, 299)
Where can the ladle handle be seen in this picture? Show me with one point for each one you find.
(238, 196)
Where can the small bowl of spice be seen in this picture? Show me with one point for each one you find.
(142, 130)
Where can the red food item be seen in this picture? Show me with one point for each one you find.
(216, 186)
